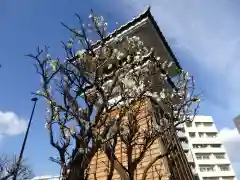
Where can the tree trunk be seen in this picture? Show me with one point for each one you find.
(131, 173)
(117, 165)
(130, 164)
(76, 173)
(73, 173)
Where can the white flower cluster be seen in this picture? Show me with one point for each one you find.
(135, 71)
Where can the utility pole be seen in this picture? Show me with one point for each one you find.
(25, 139)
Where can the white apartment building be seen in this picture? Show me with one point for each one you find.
(204, 151)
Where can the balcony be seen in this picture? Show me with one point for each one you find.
(201, 129)
(194, 171)
(209, 150)
(213, 160)
(181, 135)
(180, 126)
(205, 140)
(189, 157)
(185, 146)
(217, 173)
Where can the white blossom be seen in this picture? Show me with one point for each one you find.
(137, 68)
(128, 83)
(128, 58)
(47, 125)
(116, 39)
(164, 64)
(54, 64)
(48, 56)
(137, 57)
(66, 133)
(38, 92)
(162, 95)
(47, 110)
(87, 125)
(81, 150)
(109, 66)
(120, 55)
(154, 95)
(175, 113)
(170, 64)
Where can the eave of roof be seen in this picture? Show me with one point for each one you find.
(146, 14)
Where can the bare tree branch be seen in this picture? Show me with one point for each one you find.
(8, 167)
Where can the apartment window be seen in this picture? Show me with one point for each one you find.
(207, 168)
(184, 142)
(197, 124)
(196, 177)
(189, 124)
(211, 135)
(215, 145)
(210, 178)
(207, 124)
(203, 156)
(192, 166)
(219, 156)
(192, 134)
(199, 145)
(224, 167)
(181, 130)
(227, 178)
(201, 134)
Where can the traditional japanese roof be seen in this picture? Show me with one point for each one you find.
(134, 22)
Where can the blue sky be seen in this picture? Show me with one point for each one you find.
(204, 35)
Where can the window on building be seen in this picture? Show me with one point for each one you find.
(228, 178)
(189, 124)
(224, 167)
(219, 155)
(199, 145)
(192, 134)
(207, 124)
(215, 145)
(201, 134)
(210, 178)
(202, 156)
(207, 168)
(211, 135)
(197, 124)
(196, 177)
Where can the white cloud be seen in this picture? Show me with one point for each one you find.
(208, 31)
(11, 124)
(231, 140)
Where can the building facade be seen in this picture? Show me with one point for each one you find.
(204, 151)
(175, 166)
(172, 167)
